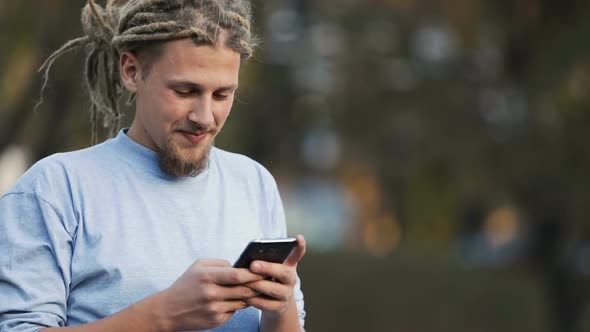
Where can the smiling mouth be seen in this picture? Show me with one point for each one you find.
(194, 137)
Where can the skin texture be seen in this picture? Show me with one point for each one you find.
(181, 106)
(184, 101)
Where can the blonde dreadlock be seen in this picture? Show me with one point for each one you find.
(136, 25)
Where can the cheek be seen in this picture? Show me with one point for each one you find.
(221, 114)
(169, 108)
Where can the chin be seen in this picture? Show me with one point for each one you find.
(183, 161)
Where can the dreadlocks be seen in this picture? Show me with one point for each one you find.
(140, 26)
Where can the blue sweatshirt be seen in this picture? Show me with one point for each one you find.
(85, 234)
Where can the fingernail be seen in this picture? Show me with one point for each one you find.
(256, 266)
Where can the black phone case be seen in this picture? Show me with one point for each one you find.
(274, 252)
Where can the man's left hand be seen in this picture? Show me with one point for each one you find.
(277, 294)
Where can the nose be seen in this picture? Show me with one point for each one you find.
(202, 112)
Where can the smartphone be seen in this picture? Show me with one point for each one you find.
(269, 250)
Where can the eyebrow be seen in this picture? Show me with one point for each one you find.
(197, 86)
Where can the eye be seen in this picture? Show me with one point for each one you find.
(221, 96)
(183, 92)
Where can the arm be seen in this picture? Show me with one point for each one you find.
(288, 321)
(35, 255)
(205, 296)
(36, 249)
(145, 315)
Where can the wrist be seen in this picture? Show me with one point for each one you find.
(286, 320)
(153, 310)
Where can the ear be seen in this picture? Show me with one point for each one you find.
(129, 70)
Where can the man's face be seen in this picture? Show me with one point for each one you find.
(183, 103)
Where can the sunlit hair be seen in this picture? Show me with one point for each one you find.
(140, 26)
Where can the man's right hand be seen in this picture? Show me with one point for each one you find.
(206, 295)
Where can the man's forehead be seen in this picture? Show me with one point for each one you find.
(198, 86)
(184, 60)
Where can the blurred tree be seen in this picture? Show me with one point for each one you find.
(454, 104)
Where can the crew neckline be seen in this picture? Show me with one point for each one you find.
(138, 155)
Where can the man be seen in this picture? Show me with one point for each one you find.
(137, 233)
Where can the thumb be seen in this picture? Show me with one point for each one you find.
(297, 253)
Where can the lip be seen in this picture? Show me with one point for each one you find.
(195, 138)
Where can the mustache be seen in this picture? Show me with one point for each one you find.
(195, 128)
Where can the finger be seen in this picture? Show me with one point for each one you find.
(232, 306)
(232, 276)
(236, 292)
(265, 303)
(271, 289)
(218, 318)
(281, 272)
(297, 253)
(212, 262)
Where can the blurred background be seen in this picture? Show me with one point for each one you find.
(436, 154)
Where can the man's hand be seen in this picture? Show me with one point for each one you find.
(207, 295)
(276, 297)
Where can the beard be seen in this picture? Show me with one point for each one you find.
(178, 161)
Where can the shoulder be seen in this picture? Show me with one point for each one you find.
(239, 163)
(242, 167)
(55, 170)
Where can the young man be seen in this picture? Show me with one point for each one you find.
(137, 233)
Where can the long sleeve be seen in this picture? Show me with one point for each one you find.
(35, 256)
